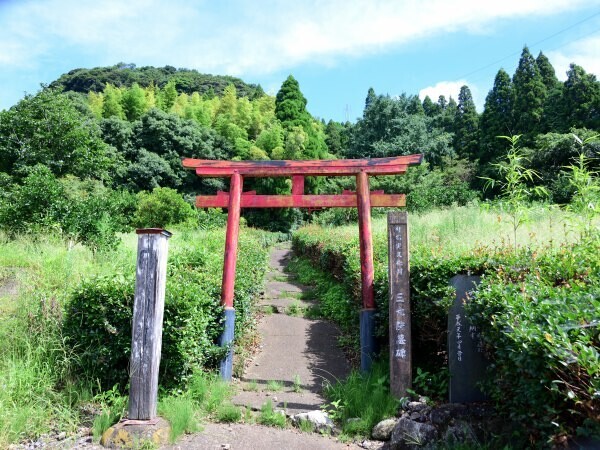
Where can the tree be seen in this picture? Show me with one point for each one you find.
(431, 109)
(581, 99)
(134, 102)
(168, 96)
(553, 114)
(228, 105)
(271, 141)
(111, 106)
(290, 105)
(371, 97)
(466, 128)
(496, 119)
(171, 138)
(48, 129)
(96, 102)
(446, 119)
(387, 129)
(546, 71)
(530, 94)
(336, 137)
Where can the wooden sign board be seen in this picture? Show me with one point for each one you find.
(399, 305)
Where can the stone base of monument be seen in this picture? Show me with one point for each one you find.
(133, 433)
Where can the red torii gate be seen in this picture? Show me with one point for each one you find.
(297, 170)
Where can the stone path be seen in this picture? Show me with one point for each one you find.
(256, 437)
(297, 354)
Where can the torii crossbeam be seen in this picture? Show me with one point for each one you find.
(297, 170)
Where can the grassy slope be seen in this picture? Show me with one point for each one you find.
(37, 392)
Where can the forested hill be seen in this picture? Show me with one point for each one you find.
(126, 129)
(125, 75)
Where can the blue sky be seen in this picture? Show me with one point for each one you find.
(336, 49)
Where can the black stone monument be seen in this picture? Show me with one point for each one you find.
(466, 358)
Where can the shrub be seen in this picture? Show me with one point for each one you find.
(537, 309)
(83, 211)
(98, 318)
(539, 318)
(162, 207)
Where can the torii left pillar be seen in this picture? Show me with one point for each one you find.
(367, 313)
(229, 263)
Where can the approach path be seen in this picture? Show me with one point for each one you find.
(297, 354)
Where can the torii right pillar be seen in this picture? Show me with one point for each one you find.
(367, 314)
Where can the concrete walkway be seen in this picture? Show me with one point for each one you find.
(297, 354)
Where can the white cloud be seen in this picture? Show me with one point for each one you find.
(451, 89)
(446, 88)
(242, 36)
(585, 53)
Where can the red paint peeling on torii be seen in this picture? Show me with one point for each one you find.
(297, 170)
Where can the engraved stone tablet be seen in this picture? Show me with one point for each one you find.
(466, 357)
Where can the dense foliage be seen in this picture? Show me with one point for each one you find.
(97, 324)
(539, 316)
(537, 309)
(129, 127)
(125, 75)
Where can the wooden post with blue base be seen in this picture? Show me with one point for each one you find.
(367, 314)
(229, 263)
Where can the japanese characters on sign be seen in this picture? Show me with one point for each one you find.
(466, 351)
(399, 314)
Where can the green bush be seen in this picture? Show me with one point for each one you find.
(98, 317)
(162, 207)
(537, 309)
(336, 256)
(82, 210)
(539, 318)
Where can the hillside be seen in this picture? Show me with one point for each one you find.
(186, 81)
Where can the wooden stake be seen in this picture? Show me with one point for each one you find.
(148, 308)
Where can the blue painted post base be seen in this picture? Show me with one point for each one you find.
(226, 340)
(367, 339)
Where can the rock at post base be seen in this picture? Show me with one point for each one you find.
(383, 430)
(319, 420)
(132, 433)
(409, 434)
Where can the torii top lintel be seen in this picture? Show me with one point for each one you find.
(284, 168)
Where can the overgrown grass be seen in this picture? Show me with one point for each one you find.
(268, 416)
(39, 389)
(361, 396)
(209, 391)
(274, 386)
(181, 412)
(228, 413)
